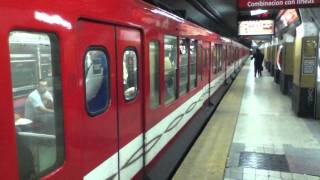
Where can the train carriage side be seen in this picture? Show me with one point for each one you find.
(124, 90)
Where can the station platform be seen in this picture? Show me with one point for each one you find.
(254, 134)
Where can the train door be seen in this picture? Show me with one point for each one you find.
(97, 53)
(129, 68)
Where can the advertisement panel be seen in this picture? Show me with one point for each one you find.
(281, 4)
(258, 27)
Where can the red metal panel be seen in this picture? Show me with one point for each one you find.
(99, 132)
(8, 148)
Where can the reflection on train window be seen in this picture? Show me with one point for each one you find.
(205, 59)
(34, 58)
(170, 67)
(97, 81)
(193, 63)
(218, 58)
(130, 74)
(183, 65)
(154, 58)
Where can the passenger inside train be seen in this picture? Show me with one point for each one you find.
(39, 106)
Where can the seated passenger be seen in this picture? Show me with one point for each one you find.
(39, 105)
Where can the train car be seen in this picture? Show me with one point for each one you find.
(96, 89)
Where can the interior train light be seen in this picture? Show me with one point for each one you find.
(257, 12)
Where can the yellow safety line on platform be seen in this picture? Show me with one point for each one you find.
(208, 156)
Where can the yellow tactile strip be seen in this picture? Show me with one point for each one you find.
(208, 156)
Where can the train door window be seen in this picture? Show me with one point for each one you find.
(183, 65)
(170, 67)
(37, 99)
(154, 58)
(193, 63)
(97, 81)
(199, 61)
(130, 74)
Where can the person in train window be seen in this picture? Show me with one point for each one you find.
(258, 59)
(130, 68)
(168, 70)
(39, 105)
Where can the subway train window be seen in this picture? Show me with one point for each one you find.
(154, 58)
(193, 63)
(170, 67)
(205, 59)
(183, 65)
(130, 74)
(218, 58)
(37, 99)
(213, 60)
(97, 81)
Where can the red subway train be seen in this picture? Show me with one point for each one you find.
(95, 89)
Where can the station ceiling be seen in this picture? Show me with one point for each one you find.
(220, 16)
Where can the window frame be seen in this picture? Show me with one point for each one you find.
(187, 39)
(58, 100)
(176, 69)
(196, 46)
(107, 105)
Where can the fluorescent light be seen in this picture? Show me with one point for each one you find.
(257, 12)
(52, 19)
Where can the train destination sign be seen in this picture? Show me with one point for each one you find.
(281, 4)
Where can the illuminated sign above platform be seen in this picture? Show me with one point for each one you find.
(281, 4)
(261, 27)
